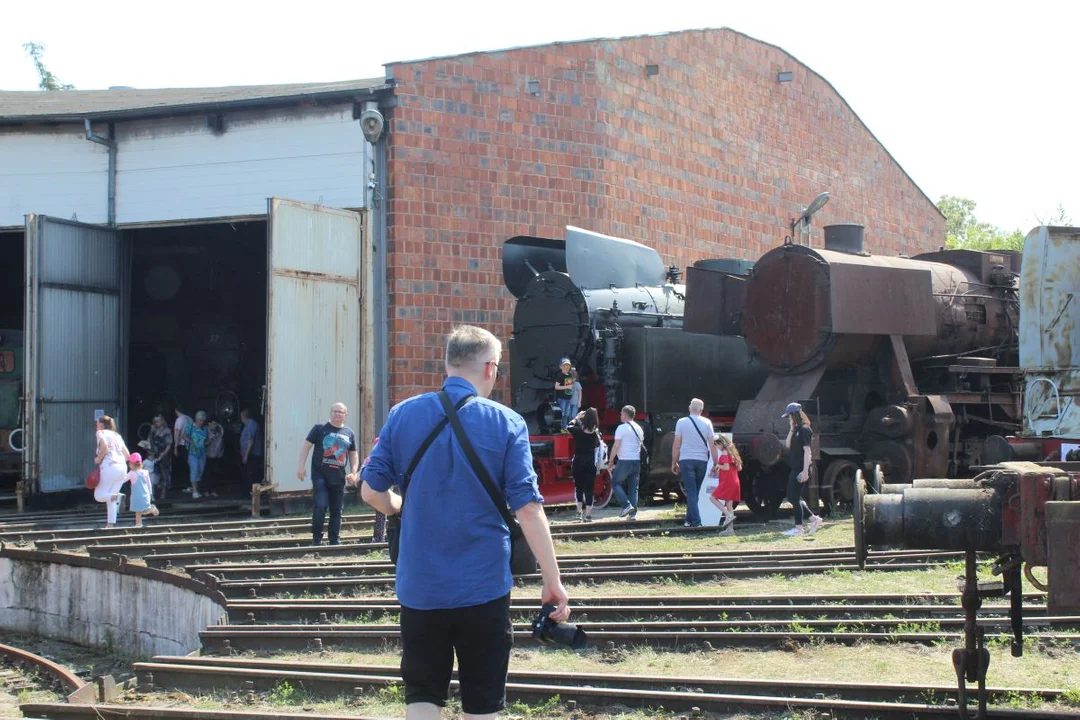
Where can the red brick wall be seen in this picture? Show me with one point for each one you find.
(710, 157)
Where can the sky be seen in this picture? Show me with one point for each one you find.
(975, 99)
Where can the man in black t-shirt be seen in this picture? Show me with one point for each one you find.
(335, 453)
(800, 458)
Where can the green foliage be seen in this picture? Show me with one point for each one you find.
(392, 693)
(522, 708)
(1020, 701)
(963, 231)
(46, 80)
(284, 693)
(1071, 697)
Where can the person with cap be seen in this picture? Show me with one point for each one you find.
(564, 390)
(798, 442)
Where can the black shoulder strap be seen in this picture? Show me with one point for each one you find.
(425, 445)
(477, 466)
(642, 450)
(700, 434)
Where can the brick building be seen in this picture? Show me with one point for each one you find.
(697, 143)
(702, 143)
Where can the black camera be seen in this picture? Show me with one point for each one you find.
(550, 632)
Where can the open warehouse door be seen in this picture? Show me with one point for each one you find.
(315, 332)
(74, 346)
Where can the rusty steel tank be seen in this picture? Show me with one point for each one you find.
(906, 362)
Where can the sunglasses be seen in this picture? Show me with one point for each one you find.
(498, 372)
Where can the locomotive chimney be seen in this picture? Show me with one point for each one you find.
(844, 238)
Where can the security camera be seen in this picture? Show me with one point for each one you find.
(372, 122)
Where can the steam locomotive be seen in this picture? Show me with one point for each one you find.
(908, 363)
(612, 307)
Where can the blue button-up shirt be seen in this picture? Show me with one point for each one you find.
(455, 547)
(251, 434)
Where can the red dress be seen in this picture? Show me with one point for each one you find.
(729, 488)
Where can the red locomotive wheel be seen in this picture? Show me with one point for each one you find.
(602, 489)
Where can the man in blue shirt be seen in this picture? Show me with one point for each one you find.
(453, 569)
(251, 448)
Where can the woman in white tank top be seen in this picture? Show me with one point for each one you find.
(111, 459)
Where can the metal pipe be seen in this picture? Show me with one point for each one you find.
(110, 143)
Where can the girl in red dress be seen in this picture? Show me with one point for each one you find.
(728, 493)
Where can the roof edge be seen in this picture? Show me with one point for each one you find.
(189, 108)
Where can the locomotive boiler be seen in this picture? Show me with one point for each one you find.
(614, 309)
(908, 363)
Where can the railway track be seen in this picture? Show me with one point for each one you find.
(716, 695)
(357, 584)
(228, 639)
(52, 675)
(271, 558)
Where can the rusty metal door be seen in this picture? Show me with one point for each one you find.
(74, 345)
(313, 347)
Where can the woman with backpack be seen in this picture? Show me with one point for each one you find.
(589, 448)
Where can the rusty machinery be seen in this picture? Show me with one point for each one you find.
(1024, 514)
(1049, 352)
(909, 363)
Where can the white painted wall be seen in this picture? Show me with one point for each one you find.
(52, 171)
(178, 169)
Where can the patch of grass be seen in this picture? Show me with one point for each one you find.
(1071, 697)
(550, 705)
(1020, 701)
(392, 693)
(285, 693)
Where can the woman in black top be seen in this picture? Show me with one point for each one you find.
(585, 428)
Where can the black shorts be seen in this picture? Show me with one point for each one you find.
(481, 635)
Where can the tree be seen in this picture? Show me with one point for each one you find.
(47, 81)
(964, 231)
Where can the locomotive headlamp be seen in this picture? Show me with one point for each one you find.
(811, 209)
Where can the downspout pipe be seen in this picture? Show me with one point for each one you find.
(110, 143)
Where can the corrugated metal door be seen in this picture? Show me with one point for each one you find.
(74, 353)
(313, 329)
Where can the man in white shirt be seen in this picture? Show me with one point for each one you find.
(180, 443)
(694, 445)
(626, 453)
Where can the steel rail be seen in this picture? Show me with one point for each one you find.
(226, 639)
(59, 675)
(61, 711)
(173, 666)
(589, 692)
(598, 564)
(323, 614)
(330, 585)
(174, 535)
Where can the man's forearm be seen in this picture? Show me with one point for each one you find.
(386, 502)
(534, 524)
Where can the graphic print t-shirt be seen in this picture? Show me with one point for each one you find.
(331, 452)
(563, 379)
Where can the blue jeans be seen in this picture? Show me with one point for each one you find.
(693, 474)
(572, 413)
(564, 405)
(325, 495)
(626, 472)
(197, 465)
